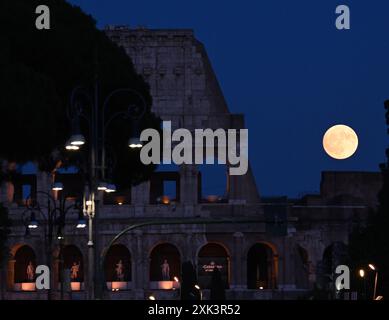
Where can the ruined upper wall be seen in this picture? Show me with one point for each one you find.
(183, 86)
(362, 187)
(182, 82)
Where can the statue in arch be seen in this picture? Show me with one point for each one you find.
(30, 271)
(165, 268)
(74, 270)
(120, 270)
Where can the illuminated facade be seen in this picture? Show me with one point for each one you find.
(294, 243)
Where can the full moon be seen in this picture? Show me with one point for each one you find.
(340, 142)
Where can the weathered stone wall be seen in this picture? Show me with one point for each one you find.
(185, 90)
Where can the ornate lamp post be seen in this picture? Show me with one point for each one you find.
(53, 214)
(374, 268)
(86, 106)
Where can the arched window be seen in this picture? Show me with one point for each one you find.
(333, 256)
(25, 264)
(212, 256)
(165, 263)
(73, 263)
(261, 267)
(213, 182)
(117, 264)
(165, 184)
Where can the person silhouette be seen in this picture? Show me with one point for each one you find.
(217, 286)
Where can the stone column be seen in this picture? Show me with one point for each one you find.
(188, 184)
(188, 253)
(288, 265)
(238, 267)
(56, 275)
(312, 268)
(275, 271)
(11, 274)
(140, 197)
(137, 274)
(188, 189)
(43, 182)
(137, 261)
(10, 192)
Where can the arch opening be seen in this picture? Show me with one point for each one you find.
(73, 264)
(25, 264)
(211, 256)
(165, 263)
(261, 267)
(117, 264)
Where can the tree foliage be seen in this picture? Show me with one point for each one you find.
(5, 224)
(370, 244)
(188, 282)
(39, 69)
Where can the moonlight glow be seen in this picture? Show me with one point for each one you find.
(340, 142)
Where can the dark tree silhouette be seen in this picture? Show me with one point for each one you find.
(370, 244)
(5, 224)
(189, 280)
(218, 291)
(39, 69)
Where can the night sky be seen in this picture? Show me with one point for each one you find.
(290, 71)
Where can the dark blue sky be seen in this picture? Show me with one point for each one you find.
(290, 71)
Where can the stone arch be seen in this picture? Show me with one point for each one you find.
(23, 255)
(156, 244)
(267, 243)
(72, 258)
(213, 255)
(333, 255)
(15, 248)
(261, 266)
(165, 262)
(224, 246)
(118, 256)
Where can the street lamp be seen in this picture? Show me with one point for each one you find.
(197, 287)
(59, 234)
(135, 143)
(374, 268)
(81, 224)
(110, 188)
(77, 140)
(57, 186)
(33, 224)
(86, 106)
(53, 214)
(102, 186)
(71, 147)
